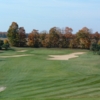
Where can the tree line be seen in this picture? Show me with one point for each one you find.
(3, 34)
(55, 38)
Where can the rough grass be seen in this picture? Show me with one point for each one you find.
(36, 78)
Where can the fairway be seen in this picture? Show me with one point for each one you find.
(32, 76)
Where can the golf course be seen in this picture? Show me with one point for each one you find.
(36, 74)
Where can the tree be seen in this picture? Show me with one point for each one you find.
(54, 36)
(62, 41)
(1, 43)
(21, 36)
(46, 42)
(74, 42)
(43, 36)
(68, 34)
(16, 35)
(6, 44)
(13, 34)
(68, 30)
(96, 36)
(83, 36)
(33, 39)
(95, 47)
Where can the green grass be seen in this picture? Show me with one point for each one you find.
(36, 78)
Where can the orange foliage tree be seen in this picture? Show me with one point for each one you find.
(33, 39)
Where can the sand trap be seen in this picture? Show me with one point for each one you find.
(2, 89)
(65, 57)
(13, 56)
(22, 51)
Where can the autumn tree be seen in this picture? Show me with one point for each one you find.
(21, 36)
(96, 36)
(33, 39)
(62, 41)
(83, 37)
(43, 38)
(68, 34)
(74, 42)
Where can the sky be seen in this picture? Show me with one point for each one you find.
(45, 14)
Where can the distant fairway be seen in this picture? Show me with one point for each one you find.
(34, 77)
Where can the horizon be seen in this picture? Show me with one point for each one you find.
(43, 15)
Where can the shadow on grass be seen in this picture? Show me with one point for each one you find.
(1, 52)
(9, 49)
(12, 49)
(2, 60)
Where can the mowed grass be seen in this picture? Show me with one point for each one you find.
(34, 77)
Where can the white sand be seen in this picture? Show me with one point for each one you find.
(22, 51)
(2, 89)
(65, 57)
(13, 56)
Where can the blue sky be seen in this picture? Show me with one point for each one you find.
(45, 14)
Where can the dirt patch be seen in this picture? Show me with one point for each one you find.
(22, 51)
(2, 89)
(13, 56)
(65, 57)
